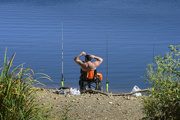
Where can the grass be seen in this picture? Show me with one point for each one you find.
(17, 93)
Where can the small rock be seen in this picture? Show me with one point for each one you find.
(110, 96)
(124, 112)
(118, 104)
(67, 95)
(110, 102)
(89, 106)
(133, 98)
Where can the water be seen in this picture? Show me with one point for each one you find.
(32, 29)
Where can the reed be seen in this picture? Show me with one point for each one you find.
(17, 93)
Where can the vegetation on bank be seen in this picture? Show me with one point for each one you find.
(164, 76)
(17, 93)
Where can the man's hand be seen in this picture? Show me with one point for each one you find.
(76, 59)
(83, 53)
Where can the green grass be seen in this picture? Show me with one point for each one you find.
(17, 93)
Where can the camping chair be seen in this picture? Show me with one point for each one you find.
(90, 79)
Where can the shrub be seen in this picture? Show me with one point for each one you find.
(164, 76)
(17, 93)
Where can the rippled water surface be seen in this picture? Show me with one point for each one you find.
(33, 29)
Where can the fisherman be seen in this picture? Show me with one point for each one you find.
(88, 65)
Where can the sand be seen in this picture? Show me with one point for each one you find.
(92, 106)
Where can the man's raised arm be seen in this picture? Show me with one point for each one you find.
(76, 59)
(99, 60)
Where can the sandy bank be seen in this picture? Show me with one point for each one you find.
(93, 106)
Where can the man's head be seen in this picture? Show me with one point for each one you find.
(87, 58)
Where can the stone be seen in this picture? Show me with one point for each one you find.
(67, 95)
(110, 102)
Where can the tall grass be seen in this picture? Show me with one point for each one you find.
(17, 94)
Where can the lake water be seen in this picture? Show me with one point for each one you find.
(32, 29)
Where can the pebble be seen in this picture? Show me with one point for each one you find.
(98, 98)
(124, 112)
(67, 95)
(89, 106)
(110, 102)
(118, 104)
(110, 96)
(131, 98)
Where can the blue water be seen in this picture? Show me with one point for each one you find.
(32, 30)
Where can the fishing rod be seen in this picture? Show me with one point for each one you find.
(107, 82)
(62, 77)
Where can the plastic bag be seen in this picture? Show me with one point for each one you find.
(74, 91)
(136, 88)
(61, 91)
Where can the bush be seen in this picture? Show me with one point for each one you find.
(164, 76)
(17, 93)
